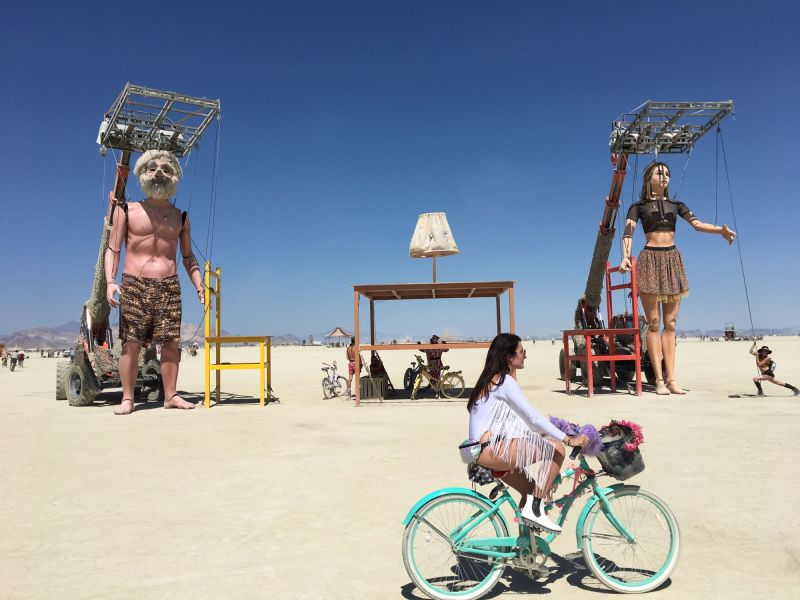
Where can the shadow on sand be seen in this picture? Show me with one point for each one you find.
(569, 567)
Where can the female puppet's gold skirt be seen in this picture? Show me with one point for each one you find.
(660, 272)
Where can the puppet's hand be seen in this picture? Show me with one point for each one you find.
(111, 289)
(728, 234)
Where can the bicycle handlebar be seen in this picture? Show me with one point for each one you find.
(575, 451)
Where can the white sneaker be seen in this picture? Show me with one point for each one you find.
(542, 521)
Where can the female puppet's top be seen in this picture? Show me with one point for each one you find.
(659, 215)
(506, 413)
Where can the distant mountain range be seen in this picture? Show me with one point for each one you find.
(64, 336)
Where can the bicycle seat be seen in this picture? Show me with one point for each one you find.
(480, 475)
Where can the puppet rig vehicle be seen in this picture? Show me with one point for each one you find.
(652, 128)
(140, 119)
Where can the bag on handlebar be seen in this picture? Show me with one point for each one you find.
(616, 461)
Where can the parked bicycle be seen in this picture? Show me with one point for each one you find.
(457, 542)
(332, 385)
(410, 376)
(450, 385)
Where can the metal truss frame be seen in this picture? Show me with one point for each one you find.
(665, 127)
(142, 119)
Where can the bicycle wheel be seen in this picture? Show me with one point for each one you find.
(645, 563)
(340, 385)
(408, 379)
(431, 561)
(452, 385)
(327, 388)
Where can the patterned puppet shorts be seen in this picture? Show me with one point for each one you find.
(150, 310)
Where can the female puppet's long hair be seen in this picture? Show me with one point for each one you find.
(648, 173)
(502, 347)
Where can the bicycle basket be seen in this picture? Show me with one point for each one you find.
(480, 475)
(618, 462)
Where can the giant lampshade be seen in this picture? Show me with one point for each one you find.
(432, 237)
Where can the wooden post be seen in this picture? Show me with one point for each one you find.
(588, 341)
(511, 308)
(497, 306)
(206, 346)
(269, 367)
(261, 370)
(356, 348)
(372, 321)
(434, 268)
(567, 362)
(218, 333)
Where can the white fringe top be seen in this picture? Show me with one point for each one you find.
(507, 414)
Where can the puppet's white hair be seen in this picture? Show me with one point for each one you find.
(149, 155)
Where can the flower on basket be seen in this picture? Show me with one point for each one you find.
(571, 429)
(619, 427)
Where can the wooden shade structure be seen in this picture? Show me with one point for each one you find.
(338, 332)
(424, 291)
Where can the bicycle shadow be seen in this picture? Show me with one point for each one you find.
(570, 567)
(400, 395)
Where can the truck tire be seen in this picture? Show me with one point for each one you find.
(80, 386)
(152, 391)
(600, 371)
(62, 366)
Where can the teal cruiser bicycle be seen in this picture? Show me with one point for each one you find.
(457, 542)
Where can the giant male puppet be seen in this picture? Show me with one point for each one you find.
(150, 294)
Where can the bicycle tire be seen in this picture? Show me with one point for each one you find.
(448, 575)
(619, 564)
(327, 388)
(340, 385)
(452, 385)
(408, 379)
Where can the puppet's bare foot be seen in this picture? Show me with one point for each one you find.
(674, 388)
(125, 407)
(661, 389)
(176, 401)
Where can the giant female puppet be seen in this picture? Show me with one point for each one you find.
(661, 277)
(150, 295)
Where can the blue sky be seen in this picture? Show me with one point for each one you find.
(342, 121)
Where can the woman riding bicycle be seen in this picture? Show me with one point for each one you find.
(512, 433)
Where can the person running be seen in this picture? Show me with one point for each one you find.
(766, 366)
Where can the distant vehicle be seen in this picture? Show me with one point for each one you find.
(69, 353)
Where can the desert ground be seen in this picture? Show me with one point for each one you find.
(304, 498)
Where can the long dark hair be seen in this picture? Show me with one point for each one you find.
(502, 347)
(648, 172)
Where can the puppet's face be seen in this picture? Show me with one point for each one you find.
(659, 179)
(159, 179)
